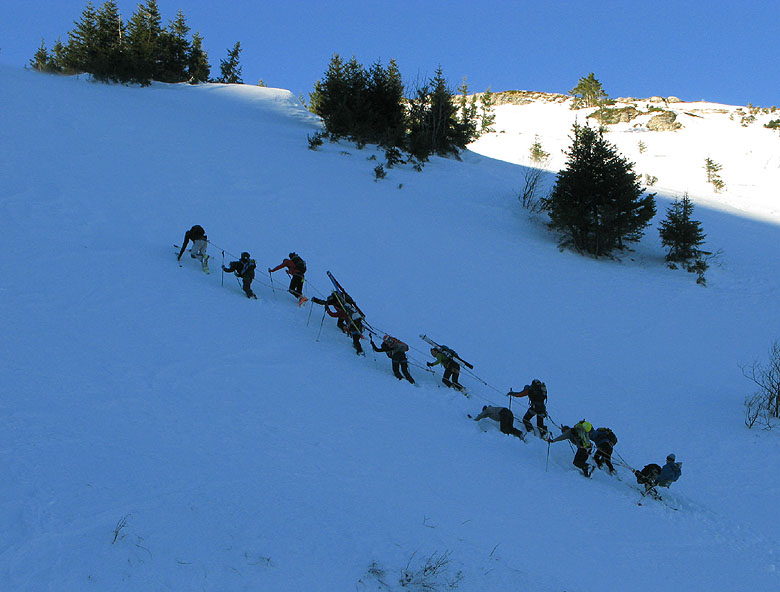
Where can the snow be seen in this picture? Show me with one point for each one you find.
(162, 432)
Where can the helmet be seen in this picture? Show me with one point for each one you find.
(244, 255)
(586, 426)
(671, 457)
(291, 255)
(536, 381)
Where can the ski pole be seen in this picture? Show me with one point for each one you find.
(311, 308)
(272, 283)
(222, 282)
(547, 464)
(322, 322)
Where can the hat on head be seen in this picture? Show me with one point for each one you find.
(671, 457)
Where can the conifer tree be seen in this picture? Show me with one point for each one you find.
(40, 60)
(588, 92)
(468, 122)
(230, 69)
(385, 106)
(174, 51)
(329, 98)
(680, 233)
(143, 38)
(81, 53)
(487, 115)
(597, 203)
(198, 69)
(356, 109)
(109, 63)
(57, 57)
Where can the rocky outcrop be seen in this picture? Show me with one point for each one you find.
(666, 121)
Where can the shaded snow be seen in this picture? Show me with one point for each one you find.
(244, 453)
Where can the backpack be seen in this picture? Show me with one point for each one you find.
(300, 265)
(537, 393)
(648, 474)
(395, 345)
(448, 352)
(606, 434)
(250, 265)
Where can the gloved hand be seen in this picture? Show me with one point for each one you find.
(269, 270)
(429, 364)
(225, 269)
(178, 258)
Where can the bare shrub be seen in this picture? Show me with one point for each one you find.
(529, 195)
(763, 407)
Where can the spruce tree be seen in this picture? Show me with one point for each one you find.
(230, 69)
(467, 125)
(198, 69)
(57, 56)
(82, 42)
(329, 98)
(487, 115)
(143, 38)
(446, 134)
(40, 60)
(588, 92)
(385, 104)
(356, 109)
(174, 51)
(680, 233)
(109, 63)
(597, 202)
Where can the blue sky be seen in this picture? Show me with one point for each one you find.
(715, 51)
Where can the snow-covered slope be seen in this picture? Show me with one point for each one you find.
(162, 432)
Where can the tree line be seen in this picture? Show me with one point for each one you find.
(137, 51)
(373, 106)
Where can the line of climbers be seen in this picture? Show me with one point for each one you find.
(581, 435)
(351, 320)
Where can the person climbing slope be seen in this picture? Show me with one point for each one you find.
(396, 351)
(296, 269)
(244, 268)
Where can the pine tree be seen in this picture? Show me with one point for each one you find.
(680, 233)
(230, 69)
(82, 42)
(174, 51)
(385, 108)
(356, 109)
(597, 202)
(109, 61)
(40, 61)
(467, 127)
(198, 69)
(488, 115)
(329, 98)
(57, 57)
(143, 38)
(588, 92)
(446, 134)
(537, 152)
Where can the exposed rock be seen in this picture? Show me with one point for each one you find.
(524, 97)
(615, 115)
(664, 122)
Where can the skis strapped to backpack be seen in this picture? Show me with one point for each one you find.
(346, 302)
(447, 350)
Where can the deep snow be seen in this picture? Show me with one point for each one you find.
(243, 453)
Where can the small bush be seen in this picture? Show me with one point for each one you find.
(379, 172)
(763, 406)
(315, 141)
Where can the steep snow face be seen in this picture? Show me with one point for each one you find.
(161, 431)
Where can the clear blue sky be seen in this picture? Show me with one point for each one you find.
(716, 51)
